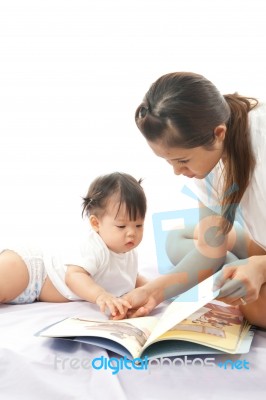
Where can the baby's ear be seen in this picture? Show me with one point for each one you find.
(94, 222)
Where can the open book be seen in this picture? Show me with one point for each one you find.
(194, 323)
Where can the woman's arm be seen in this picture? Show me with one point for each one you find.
(141, 280)
(144, 299)
(81, 283)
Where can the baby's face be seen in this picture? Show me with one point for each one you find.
(117, 231)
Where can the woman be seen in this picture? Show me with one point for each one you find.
(219, 142)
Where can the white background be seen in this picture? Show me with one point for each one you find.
(72, 73)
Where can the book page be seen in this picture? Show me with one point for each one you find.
(179, 347)
(130, 333)
(215, 325)
(183, 306)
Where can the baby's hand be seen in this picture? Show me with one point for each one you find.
(116, 305)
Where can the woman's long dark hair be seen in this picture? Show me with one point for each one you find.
(182, 109)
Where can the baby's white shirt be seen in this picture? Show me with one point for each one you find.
(116, 273)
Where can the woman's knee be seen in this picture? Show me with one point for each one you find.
(178, 244)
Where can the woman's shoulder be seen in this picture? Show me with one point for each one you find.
(257, 125)
(258, 112)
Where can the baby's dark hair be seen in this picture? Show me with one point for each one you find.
(127, 188)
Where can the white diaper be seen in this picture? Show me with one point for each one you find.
(33, 259)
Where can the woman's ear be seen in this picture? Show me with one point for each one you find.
(220, 132)
(94, 222)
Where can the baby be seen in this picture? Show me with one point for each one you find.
(100, 269)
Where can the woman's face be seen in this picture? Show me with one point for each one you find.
(193, 163)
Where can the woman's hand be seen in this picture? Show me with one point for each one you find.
(240, 281)
(142, 303)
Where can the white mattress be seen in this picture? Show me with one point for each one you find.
(29, 370)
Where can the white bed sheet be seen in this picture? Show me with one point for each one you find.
(28, 368)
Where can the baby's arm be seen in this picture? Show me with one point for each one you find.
(81, 283)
